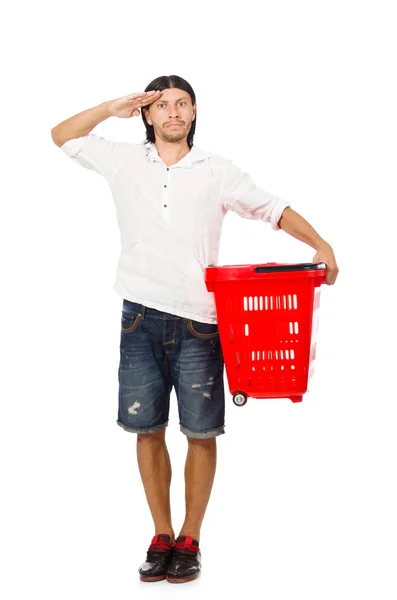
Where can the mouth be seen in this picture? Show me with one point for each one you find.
(175, 125)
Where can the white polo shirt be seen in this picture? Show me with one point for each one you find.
(171, 218)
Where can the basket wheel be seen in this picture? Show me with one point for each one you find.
(239, 399)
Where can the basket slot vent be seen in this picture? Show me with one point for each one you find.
(285, 302)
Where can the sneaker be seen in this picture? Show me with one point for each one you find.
(157, 559)
(186, 560)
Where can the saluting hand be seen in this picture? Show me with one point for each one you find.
(128, 106)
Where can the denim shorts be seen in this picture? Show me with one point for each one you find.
(159, 351)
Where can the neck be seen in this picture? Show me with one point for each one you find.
(171, 152)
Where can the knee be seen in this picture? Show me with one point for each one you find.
(152, 437)
(201, 441)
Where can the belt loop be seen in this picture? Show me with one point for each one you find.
(143, 309)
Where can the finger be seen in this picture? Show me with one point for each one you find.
(332, 277)
(151, 97)
(147, 101)
(144, 100)
(143, 95)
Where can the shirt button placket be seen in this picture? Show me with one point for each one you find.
(165, 197)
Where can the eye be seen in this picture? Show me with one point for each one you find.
(162, 103)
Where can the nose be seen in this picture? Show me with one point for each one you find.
(173, 113)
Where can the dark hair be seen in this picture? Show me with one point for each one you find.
(163, 83)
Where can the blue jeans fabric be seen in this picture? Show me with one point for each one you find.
(159, 351)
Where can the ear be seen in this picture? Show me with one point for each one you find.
(146, 113)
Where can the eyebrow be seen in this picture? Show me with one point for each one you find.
(166, 101)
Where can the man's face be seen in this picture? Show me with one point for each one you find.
(171, 115)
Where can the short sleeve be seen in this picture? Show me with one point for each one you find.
(96, 153)
(241, 195)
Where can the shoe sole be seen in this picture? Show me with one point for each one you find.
(155, 578)
(182, 579)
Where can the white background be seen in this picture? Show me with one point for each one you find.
(300, 95)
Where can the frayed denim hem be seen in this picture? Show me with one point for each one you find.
(202, 434)
(142, 430)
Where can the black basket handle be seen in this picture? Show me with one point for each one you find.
(289, 268)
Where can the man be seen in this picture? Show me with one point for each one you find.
(171, 198)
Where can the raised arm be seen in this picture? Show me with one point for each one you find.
(82, 123)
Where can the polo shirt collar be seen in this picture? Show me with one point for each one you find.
(196, 154)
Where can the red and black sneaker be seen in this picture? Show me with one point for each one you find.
(157, 559)
(186, 560)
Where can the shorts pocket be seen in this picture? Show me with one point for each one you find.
(203, 330)
(129, 321)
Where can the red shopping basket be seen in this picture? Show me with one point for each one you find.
(268, 319)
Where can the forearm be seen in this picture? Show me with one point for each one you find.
(293, 223)
(80, 124)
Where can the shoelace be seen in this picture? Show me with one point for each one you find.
(157, 550)
(185, 552)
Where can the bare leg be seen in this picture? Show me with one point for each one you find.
(199, 476)
(155, 469)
